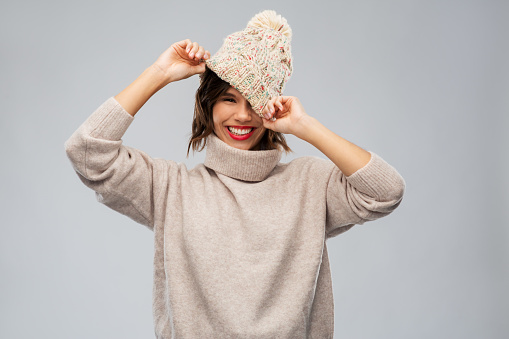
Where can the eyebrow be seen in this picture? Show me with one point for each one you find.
(228, 94)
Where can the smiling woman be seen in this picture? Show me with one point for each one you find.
(227, 264)
(235, 121)
(218, 101)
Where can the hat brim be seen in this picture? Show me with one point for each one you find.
(244, 75)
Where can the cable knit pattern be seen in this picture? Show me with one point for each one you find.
(240, 245)
(257, 61)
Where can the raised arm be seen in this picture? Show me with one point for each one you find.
(291, 118)
(362, 187)
(124, 178)
(182, 60)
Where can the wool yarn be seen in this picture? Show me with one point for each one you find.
(256, 61)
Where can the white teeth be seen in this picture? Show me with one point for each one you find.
(240, 131)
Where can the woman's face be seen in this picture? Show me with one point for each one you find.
(235, 121)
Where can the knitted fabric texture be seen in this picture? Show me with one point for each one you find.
(228, 263)
(256, 61)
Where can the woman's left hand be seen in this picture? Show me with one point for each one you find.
(289, 113)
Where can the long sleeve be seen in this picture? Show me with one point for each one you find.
(122, 177)
(370, 193)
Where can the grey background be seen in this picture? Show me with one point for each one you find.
(422, 83)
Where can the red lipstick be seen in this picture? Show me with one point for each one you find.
(240, 137)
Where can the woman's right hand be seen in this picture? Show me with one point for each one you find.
(182, 60)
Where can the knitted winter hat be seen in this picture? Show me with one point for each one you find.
(256, 61)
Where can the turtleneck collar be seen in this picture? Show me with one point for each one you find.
(237, 163)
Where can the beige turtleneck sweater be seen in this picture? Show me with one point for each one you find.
(240, 241)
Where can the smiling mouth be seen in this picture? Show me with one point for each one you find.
(240, 132)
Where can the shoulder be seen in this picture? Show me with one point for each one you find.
(308, 167)
(169, 168)
(308, 163)
(181, 167)
(197, 173)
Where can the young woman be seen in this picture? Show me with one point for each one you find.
(240, 240)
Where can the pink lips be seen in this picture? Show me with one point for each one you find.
(240, 137)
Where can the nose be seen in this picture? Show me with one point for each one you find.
(245, 113)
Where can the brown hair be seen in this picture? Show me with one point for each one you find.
(211, 89)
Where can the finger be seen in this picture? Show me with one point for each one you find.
(266, 111)
(193, 50)
(182, 43)
(286, 99)
(200, 53)
(269, 109)
(198, 69)
(278, 106)
(189, 45)
(275, 105)
(185, 44)
(206, 55)
(279, 103)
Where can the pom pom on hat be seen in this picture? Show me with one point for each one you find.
(271, 20)
(256, 61)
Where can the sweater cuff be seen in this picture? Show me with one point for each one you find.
(110, 121)
(377, 179)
